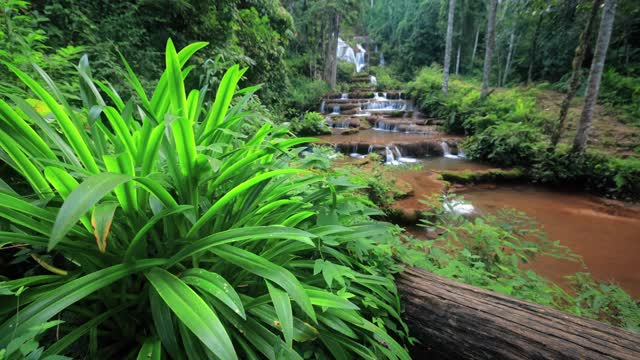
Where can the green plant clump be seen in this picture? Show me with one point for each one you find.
(160, 230)
(312, 123)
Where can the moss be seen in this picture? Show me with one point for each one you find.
(481, 177)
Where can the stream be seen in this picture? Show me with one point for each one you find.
(606, 234)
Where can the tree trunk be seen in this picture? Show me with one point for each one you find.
(475, 47)
(534, 48)
(490, 44)
(595, 75)
(458, 59)
(507, 67)
(458, 321)
(331, 56)
(574, 81)
(447, 49)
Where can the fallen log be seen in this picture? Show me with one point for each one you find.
(458, 321)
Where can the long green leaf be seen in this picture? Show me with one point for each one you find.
(81, 200)
(215, 285)
(261, 267)
(282, 304)
(45, 307)
(69, 129)
(193, 312)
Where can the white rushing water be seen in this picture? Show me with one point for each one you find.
(393, 156)
(347, 53)
(458, 207)
(344, 96)
(336, 110)
(373, 80)
(447, 152)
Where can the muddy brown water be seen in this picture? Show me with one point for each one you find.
(605, 235)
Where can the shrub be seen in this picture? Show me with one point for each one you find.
(304, 94)
(163, 229)
(344, 71)
(506, 144)
(623, 92)
(312, 123)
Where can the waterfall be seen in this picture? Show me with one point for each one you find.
(347, 53)
(389, 159)
(370, 149)
(322, 107)
(447, 152)
(382, 59)
(336, 110)
(386, 105)
(344, 96)
(402, 159)
(360, 60)
(373, 80)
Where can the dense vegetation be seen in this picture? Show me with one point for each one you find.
(171, 205)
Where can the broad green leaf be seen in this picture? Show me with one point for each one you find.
(257, 265)
(194, 313)
(215, 285)
(81, 200)
(101, 220)
(164, 326)
(150, 350)
(282, 304)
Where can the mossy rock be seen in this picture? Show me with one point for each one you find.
(496, 176)
(349, 131)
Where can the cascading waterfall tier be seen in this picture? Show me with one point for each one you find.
(347, 53)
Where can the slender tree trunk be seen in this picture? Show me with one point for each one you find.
(447, 49)
(331, 63)
(507, 67)
(599, 56)
(534, 48)
(574, 81)
(490, 44)
(475, 47)
(458, 59)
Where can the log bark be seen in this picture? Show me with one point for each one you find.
(458, 321)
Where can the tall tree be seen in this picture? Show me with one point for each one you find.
(475, 47)
(574, 82)
(448, 46)
(490, 44)
(534, 47)
(331, 53)
(507, 67)
(595, 75)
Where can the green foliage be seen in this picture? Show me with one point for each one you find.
(304, 94)
(605, 302)
(312, 123)
(23, 43)
(209, 242)
(623, 93)
(508, 129)
(507, 144)
(489, 251)
(345, 71)
(385, 78)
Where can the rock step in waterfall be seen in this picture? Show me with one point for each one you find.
(368, 119)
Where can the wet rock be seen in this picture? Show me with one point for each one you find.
(349, 131)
